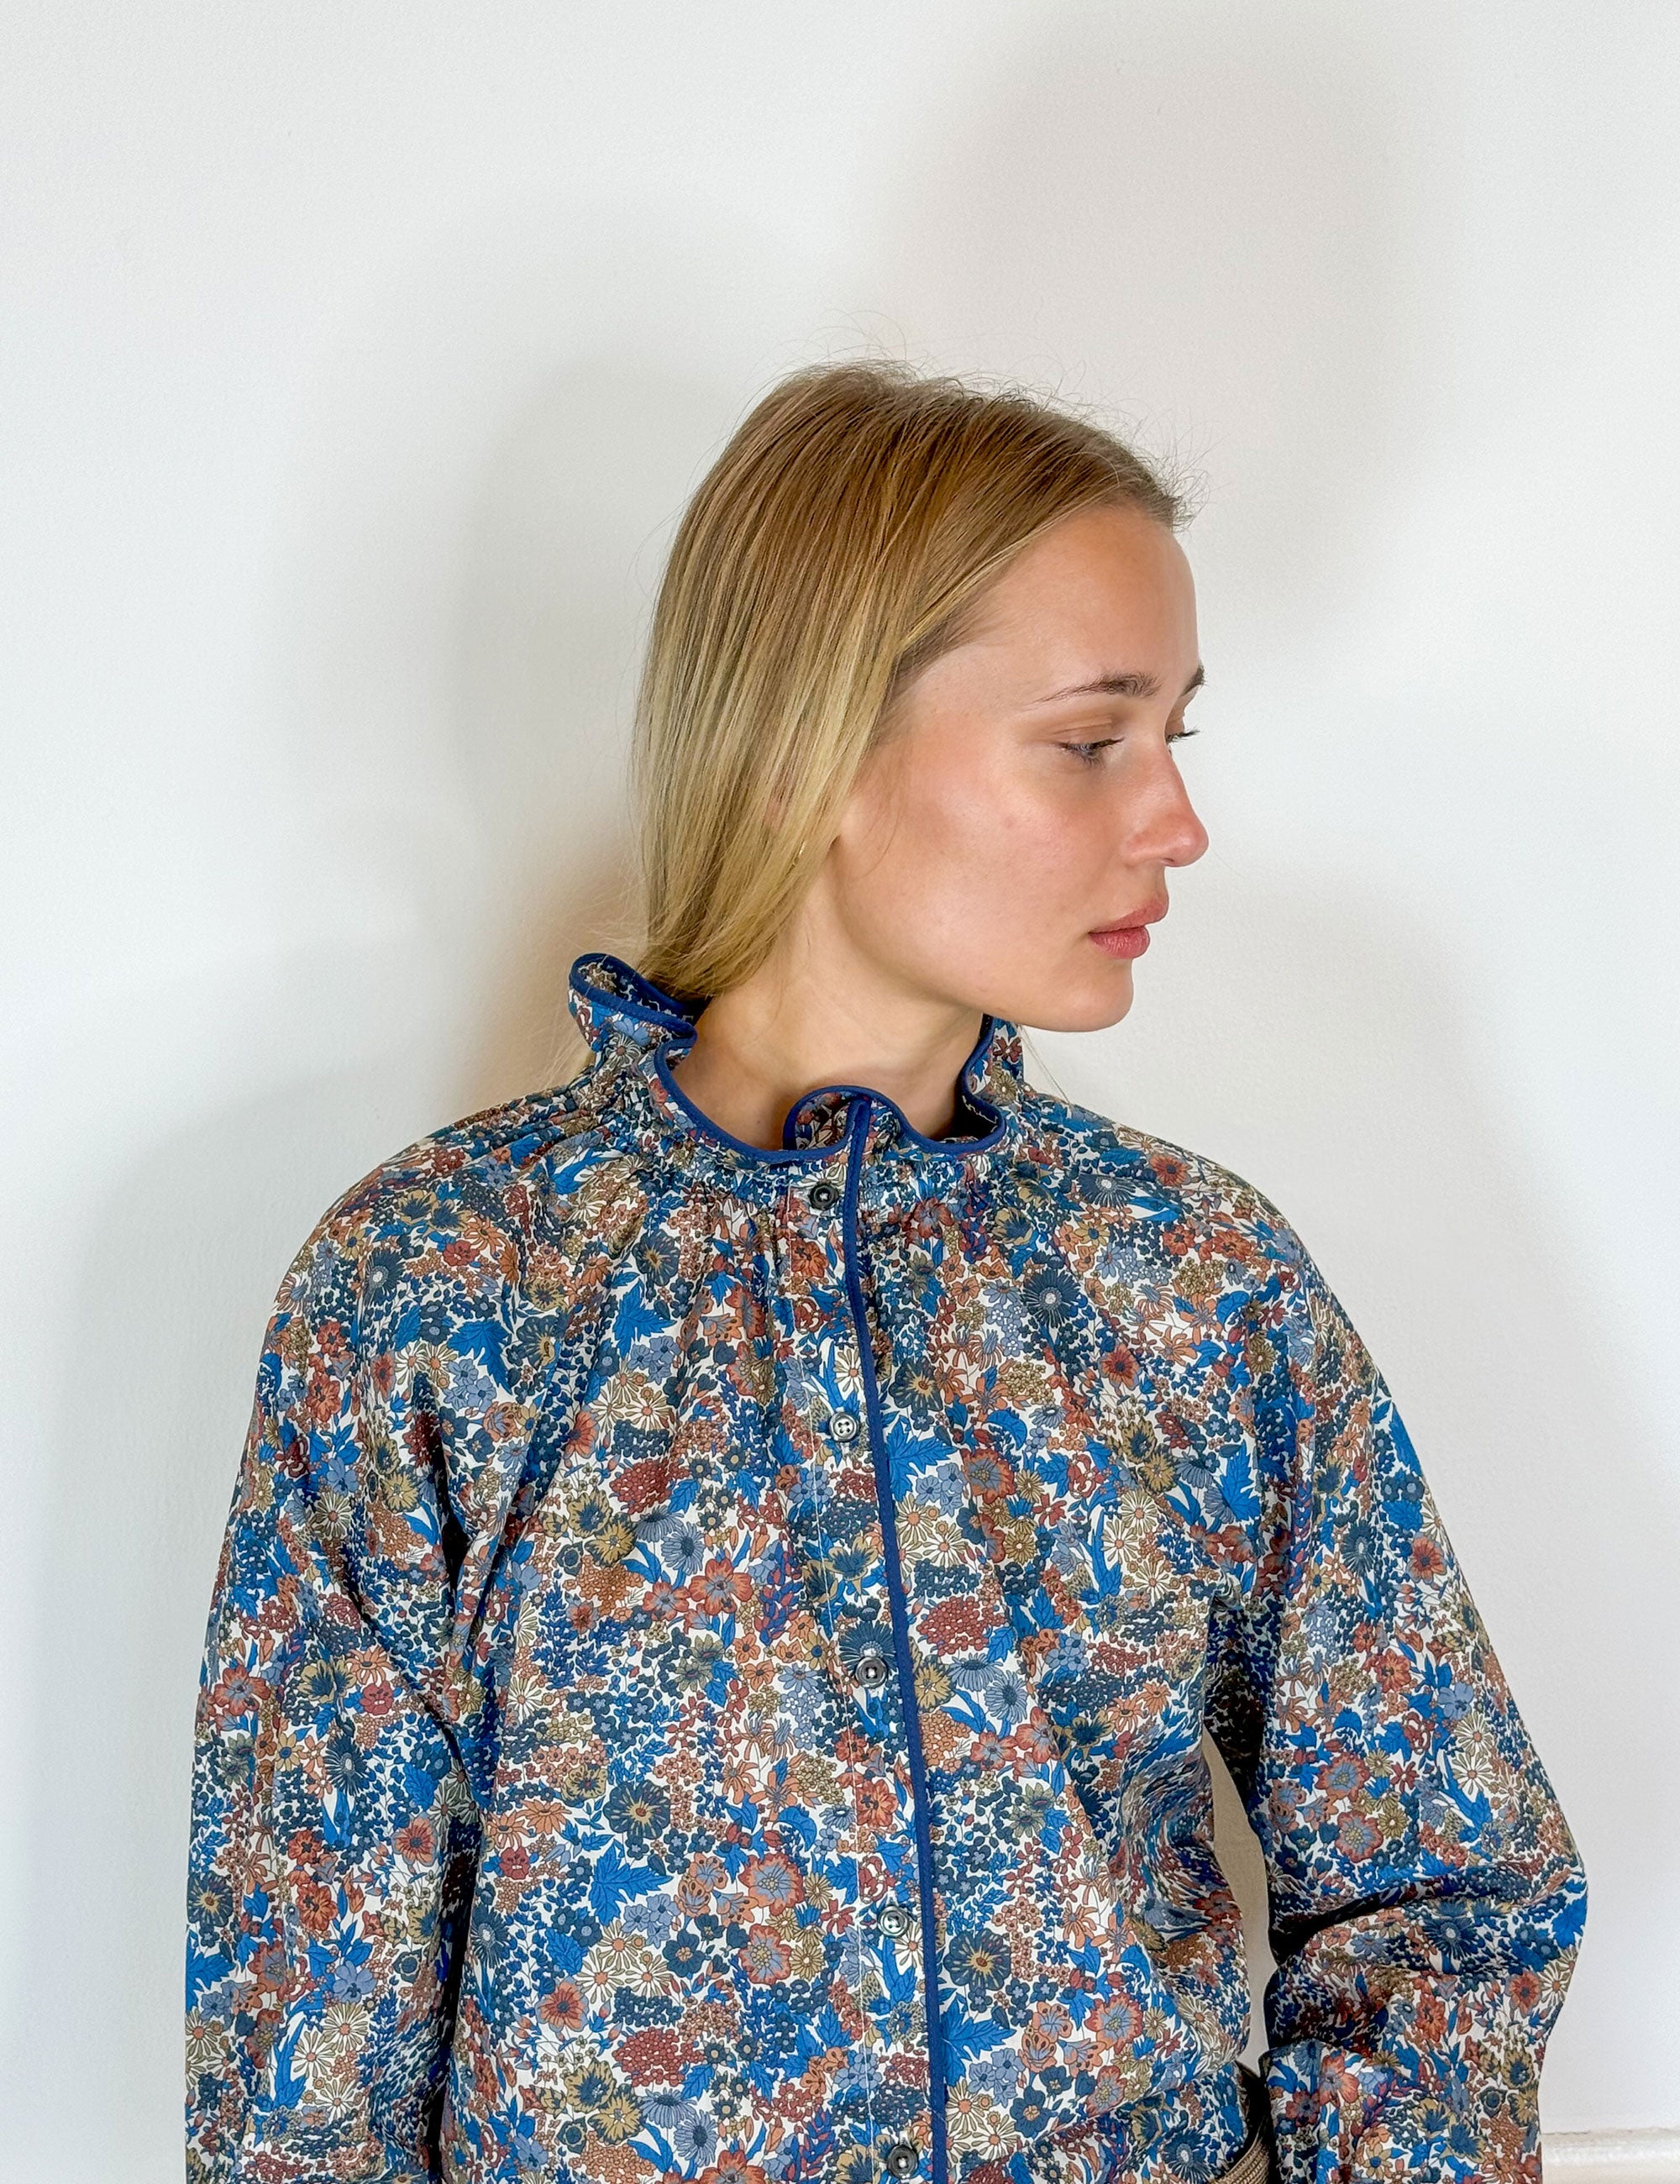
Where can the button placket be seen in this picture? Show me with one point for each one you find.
(903, 2158)
(864, 1654)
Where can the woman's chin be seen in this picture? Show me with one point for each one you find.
(1085, 1002)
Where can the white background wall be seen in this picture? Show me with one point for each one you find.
(357, 361)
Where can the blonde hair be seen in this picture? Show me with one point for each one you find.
(836, 547)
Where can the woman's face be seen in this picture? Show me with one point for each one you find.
(1007, 847)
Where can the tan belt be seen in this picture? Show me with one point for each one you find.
(1253, 2165)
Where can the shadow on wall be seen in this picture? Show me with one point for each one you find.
(565, 547)
(1197, 216)
(179, 1275)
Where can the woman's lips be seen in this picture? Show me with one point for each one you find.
(1123, 940)
(1132, 938)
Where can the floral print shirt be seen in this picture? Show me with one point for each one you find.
(709, 1660)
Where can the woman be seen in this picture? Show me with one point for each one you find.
(747, 1543)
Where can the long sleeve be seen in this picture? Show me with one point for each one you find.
(1427, 1898)
(334, 1834)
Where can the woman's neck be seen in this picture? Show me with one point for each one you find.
(785, 1031)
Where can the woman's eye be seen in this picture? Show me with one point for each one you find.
(1087, 754)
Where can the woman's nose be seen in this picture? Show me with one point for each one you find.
(1193, 836)
(1168, 832)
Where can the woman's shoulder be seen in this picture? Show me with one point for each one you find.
(1196, 1202)
(466, 1195)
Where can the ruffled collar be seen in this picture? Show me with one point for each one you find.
(633, 1025)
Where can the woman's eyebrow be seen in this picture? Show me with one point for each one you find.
(1129, 682)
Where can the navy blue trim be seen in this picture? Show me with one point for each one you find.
(770, 1155)
(780, 1155)
(651, 1004)
(882, 1466)
(646, 1003)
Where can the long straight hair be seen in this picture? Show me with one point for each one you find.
(838, 545)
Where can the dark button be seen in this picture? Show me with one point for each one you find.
(871, 1669)
(894, 1920)
(904, 2157)
(824, 1195)
(844, 1425)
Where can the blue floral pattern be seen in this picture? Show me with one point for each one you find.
(708, 1664)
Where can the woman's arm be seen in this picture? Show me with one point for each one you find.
(334, 1833)
(1427, 1898)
